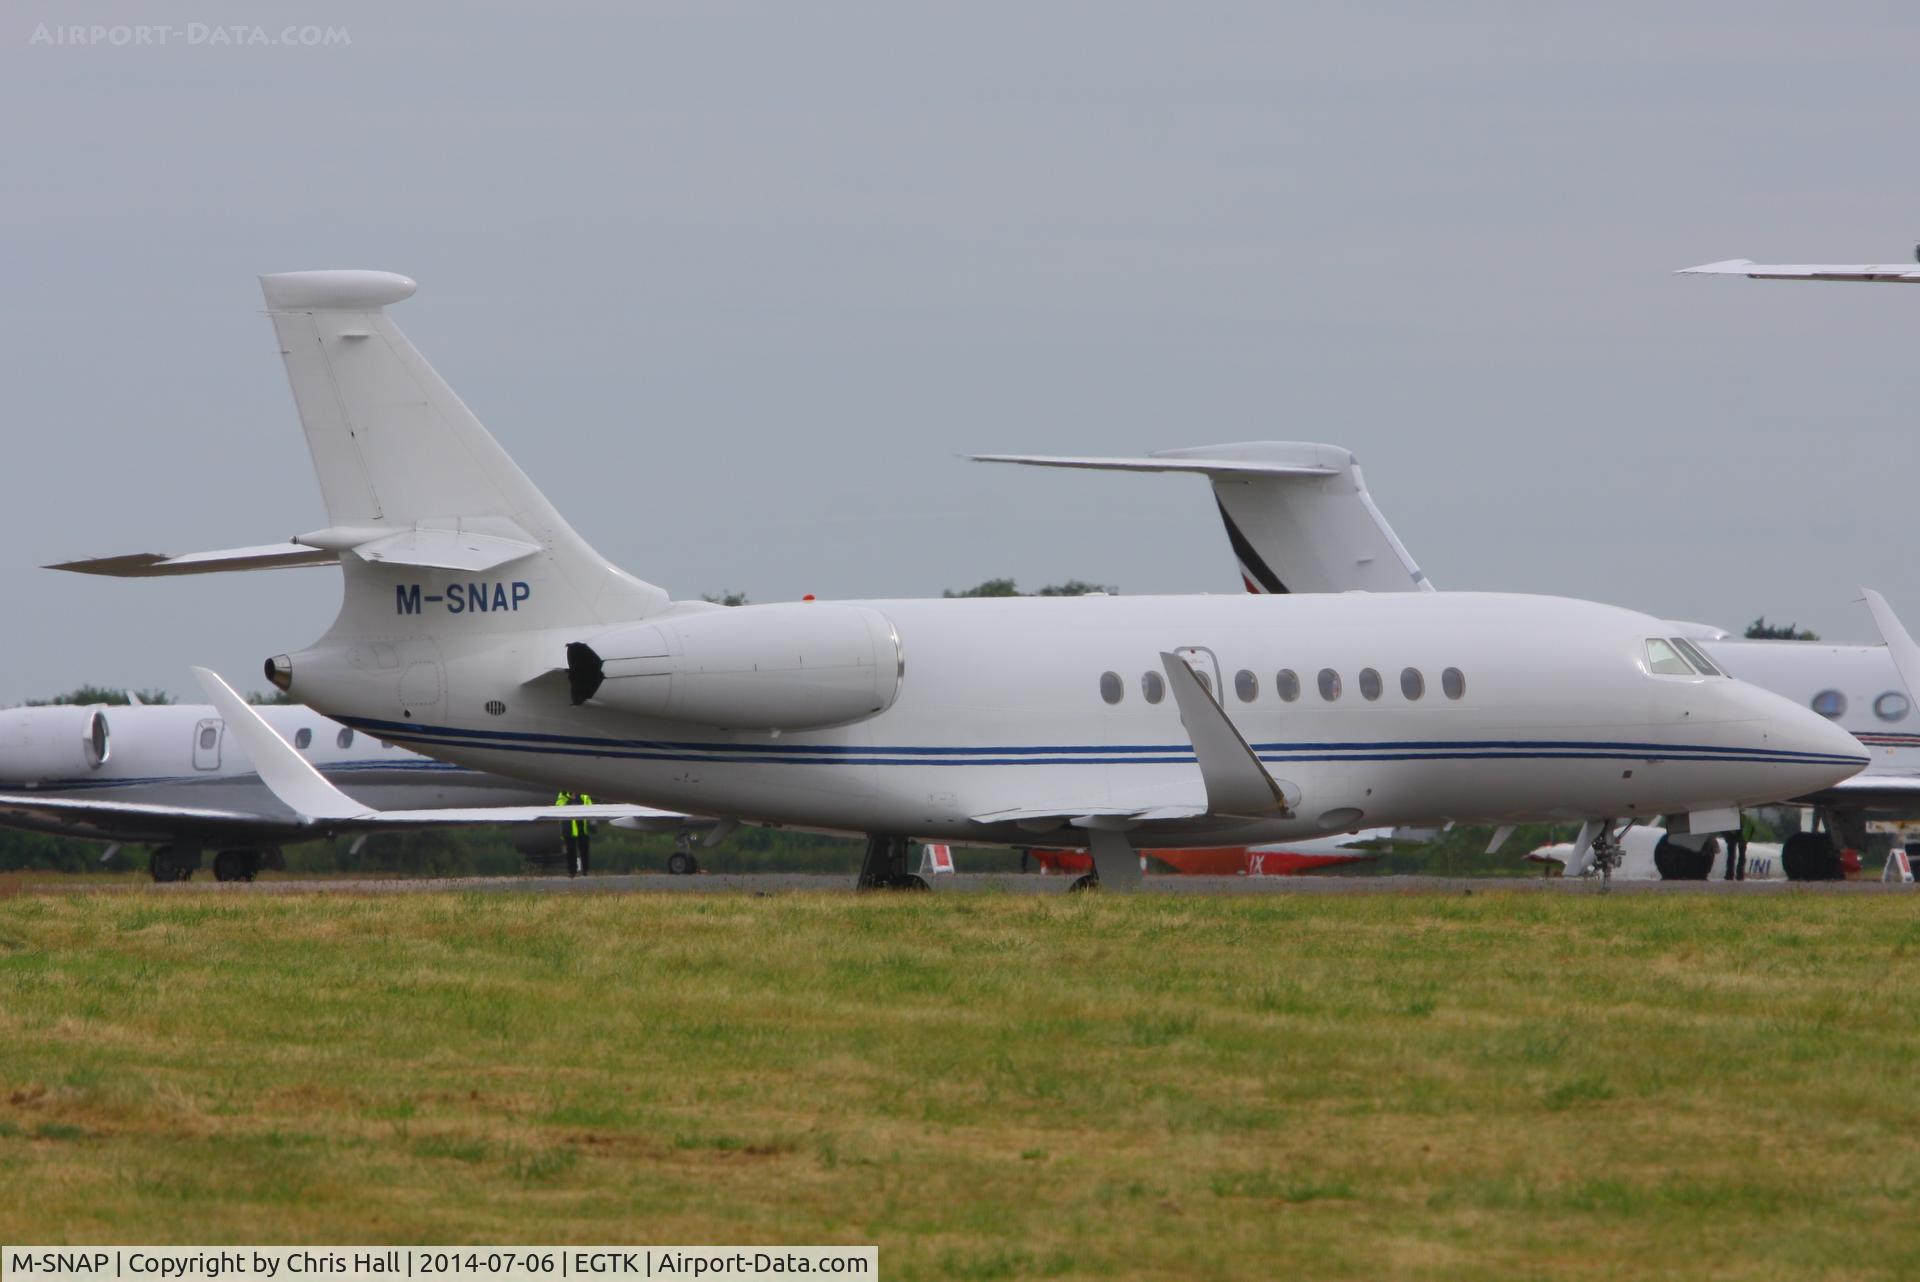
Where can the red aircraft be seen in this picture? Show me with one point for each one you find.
(1280, 859)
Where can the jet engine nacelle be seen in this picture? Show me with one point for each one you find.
(753, 667)
(39, 744)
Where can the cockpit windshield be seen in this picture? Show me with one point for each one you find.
(1665, 661)
(1700, 662)
(1677, 657)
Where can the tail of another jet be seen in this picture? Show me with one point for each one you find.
(1297, 514)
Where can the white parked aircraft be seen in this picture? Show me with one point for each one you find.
(168, 777)
(479, 627)
(1647, 849)
(1299, 518)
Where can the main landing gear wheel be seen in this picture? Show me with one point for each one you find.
(1677, 863)
(236, 865)
(1090, 881)
(885, 866)
(168, 864)
(1809, 856)
(681, 863)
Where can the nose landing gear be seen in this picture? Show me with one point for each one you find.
(1606, 853)
(682, 863)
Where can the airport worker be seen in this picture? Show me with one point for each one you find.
(576, 833)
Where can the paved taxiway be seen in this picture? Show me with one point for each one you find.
(965, 883)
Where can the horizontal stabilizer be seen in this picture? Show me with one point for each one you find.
(1203, 461)
(1873, 273)
(427, 549)
(445, 550)
(147, 565)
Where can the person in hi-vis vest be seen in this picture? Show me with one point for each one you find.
(576, 833)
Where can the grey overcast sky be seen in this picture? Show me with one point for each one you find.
(738, 284)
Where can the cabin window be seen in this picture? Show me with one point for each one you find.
(303, 738)
(207, 735)
(1111, 688)
(1286, 684)
(1701, 664)
(1369, 684)
(1153, 687)
(1891, 706)
(1246, 685)
(1830, 704)
(1665, 661)
(1206, 682)
(344, 739)
(1412, 684)
(1329, 684)
(1453, 683)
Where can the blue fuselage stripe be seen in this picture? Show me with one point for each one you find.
(1075, 754)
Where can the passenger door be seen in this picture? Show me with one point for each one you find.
(206, 744)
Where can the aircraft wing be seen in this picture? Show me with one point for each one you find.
(1880, 273)
(1233, 784)
(318, 804)
(1298, 515)
(129, 820)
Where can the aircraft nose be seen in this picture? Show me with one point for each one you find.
(1816, 752)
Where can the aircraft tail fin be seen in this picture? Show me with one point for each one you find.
(413, 482)
(1297, 514)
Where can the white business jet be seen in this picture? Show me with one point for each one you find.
(1299, 518)
(167, 776)
(477, 626)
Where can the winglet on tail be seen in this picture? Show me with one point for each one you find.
(1900, 643)
(291, 776)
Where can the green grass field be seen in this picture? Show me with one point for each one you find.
(1383, 1085)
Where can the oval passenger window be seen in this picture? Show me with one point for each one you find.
(1153, 687)
(1453, 682)
(1412, 684)
(1287, 683)
(1369, 684)
(1246, 685)
(1329, 684)
(1111, 688)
